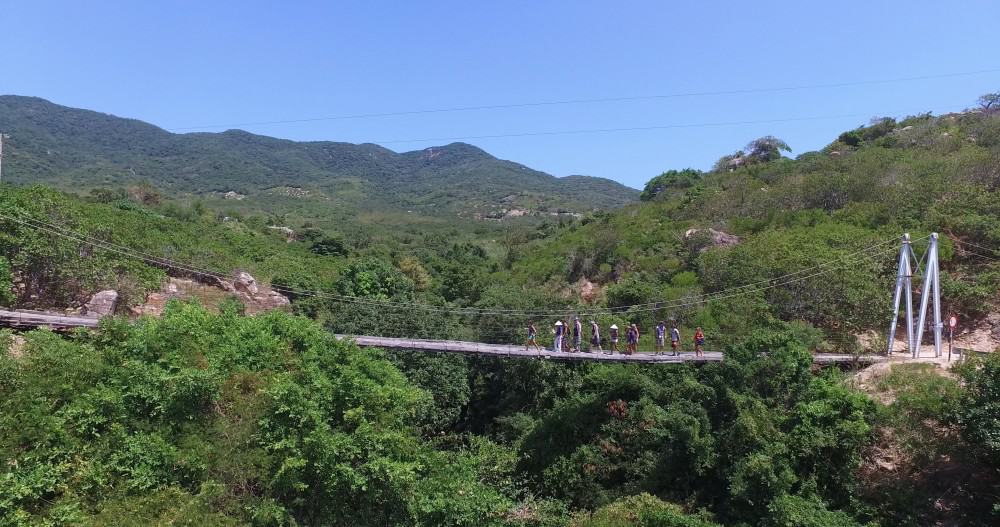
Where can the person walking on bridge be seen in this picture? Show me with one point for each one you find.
(675, 339)
(661, 337)
(577, 334)
(633, 339)
(557, 345)
(699, 341)
(595, 337)
(532, 338)
(614, 338)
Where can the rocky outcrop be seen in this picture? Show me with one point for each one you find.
(256, 298)
(103, 303)
(717, 238)
(211, 291)
(245, 283)
(288, 232)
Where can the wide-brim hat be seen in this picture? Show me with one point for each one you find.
(614, 326)
(558, 322)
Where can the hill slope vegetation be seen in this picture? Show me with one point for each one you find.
(79, 149)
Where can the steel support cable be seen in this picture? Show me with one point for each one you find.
(727, 293)
(970, 244)
(617, 310)
(471, 311)
(460, 311)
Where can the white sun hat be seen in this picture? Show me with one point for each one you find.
(558, 322)
(614, 326)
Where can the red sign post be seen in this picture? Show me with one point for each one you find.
(952, 322)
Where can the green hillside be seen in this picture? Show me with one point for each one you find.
(917, 175)
(203, 417)
(78, 150)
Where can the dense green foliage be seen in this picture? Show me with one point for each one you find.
(263, 420)
(203, 418)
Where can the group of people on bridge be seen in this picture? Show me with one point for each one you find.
(570, 338)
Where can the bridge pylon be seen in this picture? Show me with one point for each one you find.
(930, 294)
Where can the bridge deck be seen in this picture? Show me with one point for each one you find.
(504, 350)
(34, 319)
(30, 319)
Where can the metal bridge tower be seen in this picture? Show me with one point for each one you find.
(931, 290)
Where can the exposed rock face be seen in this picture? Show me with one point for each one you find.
(737, 162)
(102, 304)
(588, 291)
(245, 283)
(718, 238)
(273, 300)
(289, 233)
(211, 292)
(256, 299)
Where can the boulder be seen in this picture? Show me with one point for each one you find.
(246, 283)
(102, 304)
(275, 300)
(718, 238)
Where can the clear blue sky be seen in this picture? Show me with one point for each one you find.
(189, 63)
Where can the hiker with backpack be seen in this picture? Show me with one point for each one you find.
(532, 338)
(675, 340)
(661, 337)
(633, 341)
(699, 341)
(595, 337)
(614, 338)
(559, 331)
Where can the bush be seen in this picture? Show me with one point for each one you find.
(642, 510)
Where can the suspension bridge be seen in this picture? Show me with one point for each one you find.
(512, 318)
(25, 319)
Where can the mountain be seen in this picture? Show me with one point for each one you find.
(79, 149)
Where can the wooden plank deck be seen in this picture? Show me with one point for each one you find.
(503, 350)
(32, 319)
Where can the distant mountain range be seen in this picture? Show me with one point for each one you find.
(77, 149)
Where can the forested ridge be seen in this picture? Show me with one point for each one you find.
(208, 416)
(78, 150)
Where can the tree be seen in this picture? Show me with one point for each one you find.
(413, 269)
(767, 148)
(329, 246)
(989, 102)
(669, 180)
(978, 414)
(374, 278)
(6, 283)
